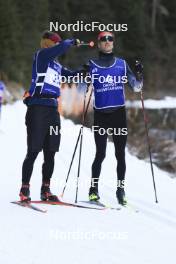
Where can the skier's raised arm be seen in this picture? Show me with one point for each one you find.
(50, 53)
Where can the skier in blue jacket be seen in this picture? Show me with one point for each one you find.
(42, 111)
(109, 110)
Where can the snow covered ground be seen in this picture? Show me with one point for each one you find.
(167, 102)
(71, 235)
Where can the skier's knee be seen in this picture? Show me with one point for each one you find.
(120, 155)
(49, 157)
(31, 156)
(100, 156)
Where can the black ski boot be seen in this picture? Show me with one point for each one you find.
(25, 193)
(120, 193)
(46, 194)
(93, 194)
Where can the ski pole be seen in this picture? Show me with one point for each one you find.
(73, 156)
(80, 148)
(89, 44)
(79, 164)
(148, 143)
(80, 131)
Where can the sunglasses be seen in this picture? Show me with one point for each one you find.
(107, 38)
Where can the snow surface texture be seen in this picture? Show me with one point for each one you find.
(73, 235)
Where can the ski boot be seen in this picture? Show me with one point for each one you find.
(93, 194)
(46, 194)
(25, 193)
(120, 193)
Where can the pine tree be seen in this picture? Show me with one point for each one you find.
(10, 30)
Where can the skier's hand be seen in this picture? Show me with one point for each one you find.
(74, 42)
(26, 97)
(139, 69)
(77, 42)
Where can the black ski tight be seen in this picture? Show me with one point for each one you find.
(116, 119)
(101, 142)
(47, 167)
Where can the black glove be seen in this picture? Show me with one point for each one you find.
(139, 67)
(139, 70)
(77, 42)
